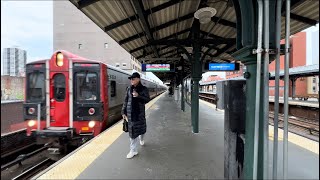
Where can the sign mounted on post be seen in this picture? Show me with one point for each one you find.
(157, 68)
(222, 66)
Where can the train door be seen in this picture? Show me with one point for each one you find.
(59, 99)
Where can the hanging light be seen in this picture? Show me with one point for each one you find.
(205, 14)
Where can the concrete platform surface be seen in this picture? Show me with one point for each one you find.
(171, 151)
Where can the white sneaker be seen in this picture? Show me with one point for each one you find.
(142, 142)
(131, 154)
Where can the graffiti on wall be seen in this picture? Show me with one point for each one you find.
(12, 88)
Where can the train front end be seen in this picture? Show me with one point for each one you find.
(63, 103)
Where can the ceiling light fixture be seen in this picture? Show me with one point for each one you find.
(205, 14)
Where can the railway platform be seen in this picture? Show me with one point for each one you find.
(171, 150)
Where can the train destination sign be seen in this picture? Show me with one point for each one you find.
(157, 67)
(223, 66)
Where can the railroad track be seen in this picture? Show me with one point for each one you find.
(306, 128)
(32, 171)
(301, 126)
(22, 157)
(27, 164)
(15, 141)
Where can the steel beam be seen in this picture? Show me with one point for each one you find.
(224, 22)
(162, 26)
(188, 42)
(167, 37)
(84, 3)
(165, 59)
(134, 17)
(294, 4)
(157, 28)
(303, 19)
(144, 20)
(215, 36)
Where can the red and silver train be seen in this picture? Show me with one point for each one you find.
(78, 98)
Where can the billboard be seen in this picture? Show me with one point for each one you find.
(157, 68)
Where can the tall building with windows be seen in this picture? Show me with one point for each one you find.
(14, 61)
(76, 33)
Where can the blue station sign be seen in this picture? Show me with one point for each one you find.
(223, 66)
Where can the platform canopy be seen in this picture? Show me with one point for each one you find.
(151, 28)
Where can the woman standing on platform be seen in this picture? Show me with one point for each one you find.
(133, 109)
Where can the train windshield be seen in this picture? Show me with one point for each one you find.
(86, 86)
(36, 86)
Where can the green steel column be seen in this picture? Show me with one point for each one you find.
(182, 86)
(196, 77)
(192, 97)
(182, 95)
(251, 66)
(250, 110)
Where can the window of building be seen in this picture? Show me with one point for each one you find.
(313, 88)
(117, 65)
(314, 80)
(80, 46)
(124, 64)
(106, 45)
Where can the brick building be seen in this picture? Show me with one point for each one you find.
(298, 56)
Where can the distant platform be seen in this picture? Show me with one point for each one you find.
(10, 101)
(309, 103)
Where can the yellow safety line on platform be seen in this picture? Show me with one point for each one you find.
(71, 167)
(303, 142)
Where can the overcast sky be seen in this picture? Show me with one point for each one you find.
(28, 25)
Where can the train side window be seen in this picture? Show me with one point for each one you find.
(59, 87)
(113, 88)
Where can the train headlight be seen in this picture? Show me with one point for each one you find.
(91, 111)
(31, 110)
(59, 59)
(91, 124)
(31, 123)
